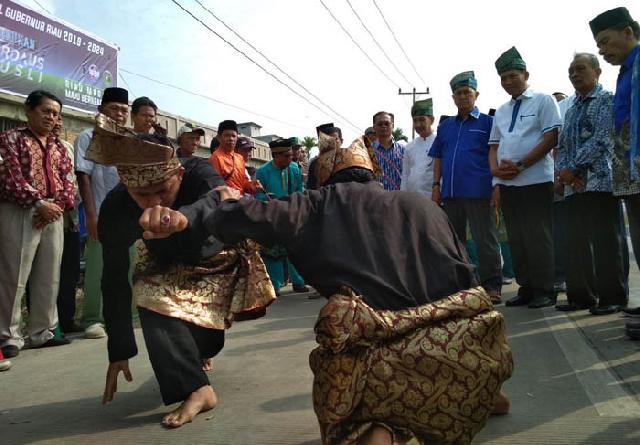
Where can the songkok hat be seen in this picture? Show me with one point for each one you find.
(510, 60)
(358, 154)
(244, 143)
(422, 108)
(610, 19)
(140, 163)
(115, 94)
(324, 128)
(227, 125)
(188, 127)
(280, 145)
(464, 79)
(295, 142)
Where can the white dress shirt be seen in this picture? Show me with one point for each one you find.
(518, 126)
(417, 166)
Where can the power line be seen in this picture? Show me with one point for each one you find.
(42, 7)
(125, 82)
(398, 42)
(274, 64)
(193, 93)
(286, 85)
(358, 45)
(377, 43)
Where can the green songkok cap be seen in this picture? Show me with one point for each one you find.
(510, 60)
(422, 108)
(465, 79)
(610, 19)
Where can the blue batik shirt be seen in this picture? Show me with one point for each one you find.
(622, 101)
(463, 149)
(390, 160)
(585, 143)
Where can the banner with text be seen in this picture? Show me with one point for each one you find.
(38, 52)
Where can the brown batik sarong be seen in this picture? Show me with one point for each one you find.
(432, 372)
(233, 285)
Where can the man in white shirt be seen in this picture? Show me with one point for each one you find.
(417, 165)
(524, 132)
(94, 182)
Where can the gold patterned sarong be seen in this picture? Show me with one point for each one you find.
(431, 373)
(233, 285)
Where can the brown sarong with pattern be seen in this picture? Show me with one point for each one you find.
(431, 373)
(231, 286)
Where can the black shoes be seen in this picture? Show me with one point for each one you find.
(10, 351)
(539, 302)
(631, 312)
(606, 309)
(300, 288)
(570, 307)
(518, 300)
(55, 341)
(633, 334)
(71, 327)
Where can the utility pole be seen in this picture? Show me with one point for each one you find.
(414, 93)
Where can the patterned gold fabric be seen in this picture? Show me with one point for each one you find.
(333, 159)
(233, 285)
(431, 373)
(140, 163)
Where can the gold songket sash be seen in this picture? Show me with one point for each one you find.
(431, 373)
(231, 286)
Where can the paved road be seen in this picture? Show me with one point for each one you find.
(576, 381)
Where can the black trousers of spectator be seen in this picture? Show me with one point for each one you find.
(595, 270)
(69, 275)
(528, 215)
(176, 351)
(481, 218)
(560, 245)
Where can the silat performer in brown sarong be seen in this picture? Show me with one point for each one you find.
(410, 346)
(188, 288)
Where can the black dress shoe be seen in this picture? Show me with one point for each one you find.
(606, 310)
(632, 325)
(518, 300)
(570, 307)
(10, 351)
(300, 288)
(55, 341)
(631, 312)
(633, 334)
(539, 302)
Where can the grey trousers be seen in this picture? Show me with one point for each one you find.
(528, 215)
(481, 218)
(34, 255)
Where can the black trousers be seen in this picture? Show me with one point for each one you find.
(560, 228)
(595, 270)
(69, 275)
(176, 350)
(481, 218)
(528, 216)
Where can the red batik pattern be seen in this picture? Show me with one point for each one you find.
(28, 173)
(431, 372)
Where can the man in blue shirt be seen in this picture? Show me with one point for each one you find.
(617, 36)
(461, 152)
(388, 151)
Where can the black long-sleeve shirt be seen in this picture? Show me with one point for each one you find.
(396, 249)
(118, 229)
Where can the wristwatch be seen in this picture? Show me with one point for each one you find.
(38, 204)
(520, 166)
(435, 184)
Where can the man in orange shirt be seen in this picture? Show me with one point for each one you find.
(229, 164)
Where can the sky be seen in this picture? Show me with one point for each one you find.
(159, 40)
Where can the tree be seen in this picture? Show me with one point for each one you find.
(308, 143)
(398, 135)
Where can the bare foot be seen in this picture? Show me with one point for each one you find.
(502, 405)
(207, 364)
(200, 400)
(377, 435)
